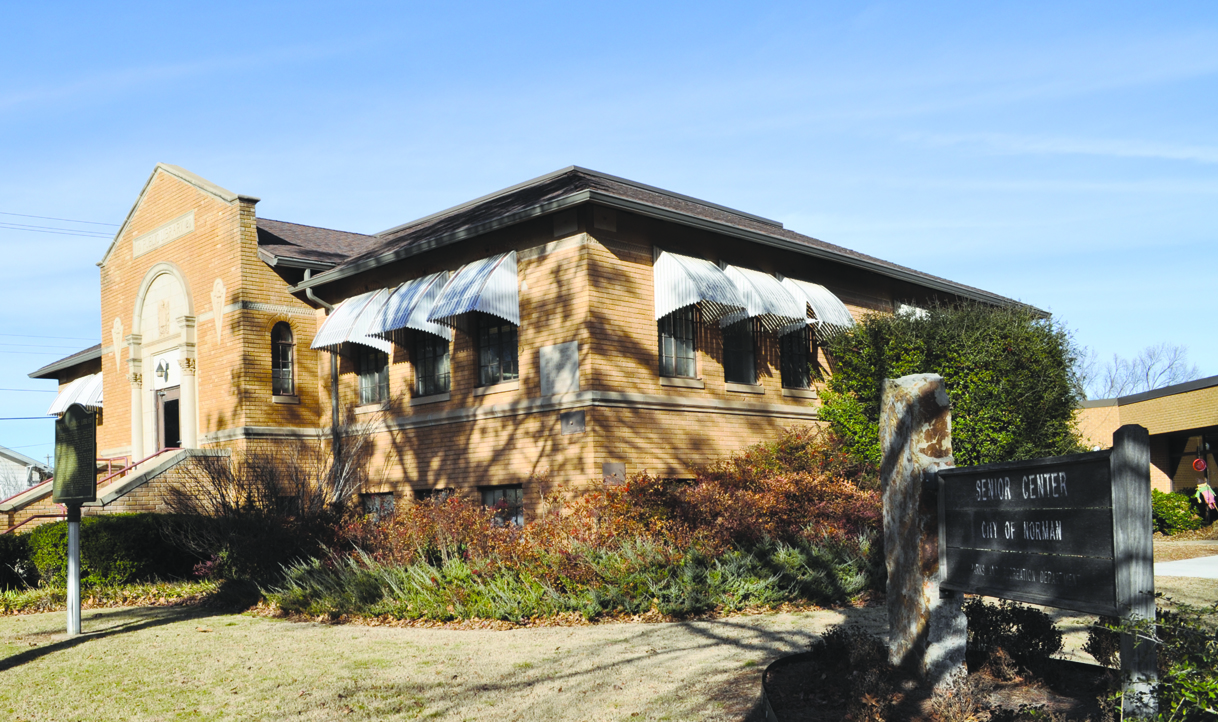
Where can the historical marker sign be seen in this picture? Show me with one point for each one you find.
(1043, 531)
(75, 480)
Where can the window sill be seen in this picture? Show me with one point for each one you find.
(285, 399)
(800, 393)
(370, 408)
(678, 382)
(498, 388)
(745, 388)
(432, 399)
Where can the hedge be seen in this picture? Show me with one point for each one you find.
(17, 569)
(114, 549)
(1174, 512)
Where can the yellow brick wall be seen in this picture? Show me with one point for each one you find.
(1097, 424)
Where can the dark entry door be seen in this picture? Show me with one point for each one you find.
(168, 428)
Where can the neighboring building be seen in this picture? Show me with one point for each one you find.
(19, 472)
(1183, 424)
(577, 328)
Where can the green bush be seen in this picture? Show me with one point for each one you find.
(114, 549)
(1010, 376)
(1174, 512)
(17, 570)
(1027, 635)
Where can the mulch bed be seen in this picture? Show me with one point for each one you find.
(810, 688)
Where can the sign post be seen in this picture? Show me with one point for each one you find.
(74, 483)
(1073, 532)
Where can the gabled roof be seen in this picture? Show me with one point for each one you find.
(185, 176)
(22, 459)
(298, 246)
(573, 185)
(50, 371)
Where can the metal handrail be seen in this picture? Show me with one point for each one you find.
(15, 527)
(120, 472)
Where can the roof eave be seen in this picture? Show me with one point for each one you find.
(661, 214)
(275, 261)
(48, 371)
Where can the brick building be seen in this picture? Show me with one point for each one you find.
(1183, 424)
(577, 327)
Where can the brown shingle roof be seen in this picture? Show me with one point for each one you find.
(532, 197)
(324, 245)
(48, 371)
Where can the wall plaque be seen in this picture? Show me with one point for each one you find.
(75, 480)
(166, 233)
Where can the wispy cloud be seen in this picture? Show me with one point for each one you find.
(1012, 144)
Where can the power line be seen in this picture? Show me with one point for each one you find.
(37, 345)
(64, 338)
(58, 232)
(48, 218)
(30, 446)
(36, 391)
(35, 353)
(24, 418)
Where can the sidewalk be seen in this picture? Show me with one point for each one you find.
(1200, 568)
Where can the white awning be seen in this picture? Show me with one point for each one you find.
(408, 307)
(349, 321)
(488, 285)
(826, 311)
(86, 391)
(682, 281)
(765, 299)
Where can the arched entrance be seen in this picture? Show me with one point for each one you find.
(162, 358)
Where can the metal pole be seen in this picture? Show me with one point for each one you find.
(73, 570)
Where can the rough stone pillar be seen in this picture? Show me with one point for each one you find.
(927, 630)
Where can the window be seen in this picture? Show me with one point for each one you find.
(435, 496)
(373, 375)
(796, 355)
(677, 343)
(283, 351)
(508, 503)
(431, 370)
(739, 357)
(496, 351)
(378, 506)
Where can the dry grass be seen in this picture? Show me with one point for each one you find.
(188, 663)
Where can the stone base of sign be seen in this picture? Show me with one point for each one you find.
(927, 631)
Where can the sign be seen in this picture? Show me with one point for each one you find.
(75, 480)
(1045, 531)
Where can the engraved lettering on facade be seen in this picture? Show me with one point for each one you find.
(171, 231)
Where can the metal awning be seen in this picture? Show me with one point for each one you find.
(765, 299)
(408, 307)
(86, 391)
(826, 311)
(349, 323)
(488, 285)
(682, 281)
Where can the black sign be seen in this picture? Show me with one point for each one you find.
(1039, 531)
(75, 480)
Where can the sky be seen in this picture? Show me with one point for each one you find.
(1062, 154)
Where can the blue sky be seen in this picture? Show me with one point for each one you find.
(1061, 155)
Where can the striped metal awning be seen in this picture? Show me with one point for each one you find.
(826, 311)
(682, 281)
(408, 307)
(86, 391)
(488, 285)
(765, 299)
(350, 321)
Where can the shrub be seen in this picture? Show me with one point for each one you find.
(114, 549)
(247, 515)
(1010, 376)
(1027, 635)
(1174, 512)
(17, 570)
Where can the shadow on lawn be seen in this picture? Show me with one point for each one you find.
(729, 692)
(231, 597)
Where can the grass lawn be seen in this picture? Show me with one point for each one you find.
(189, 663)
